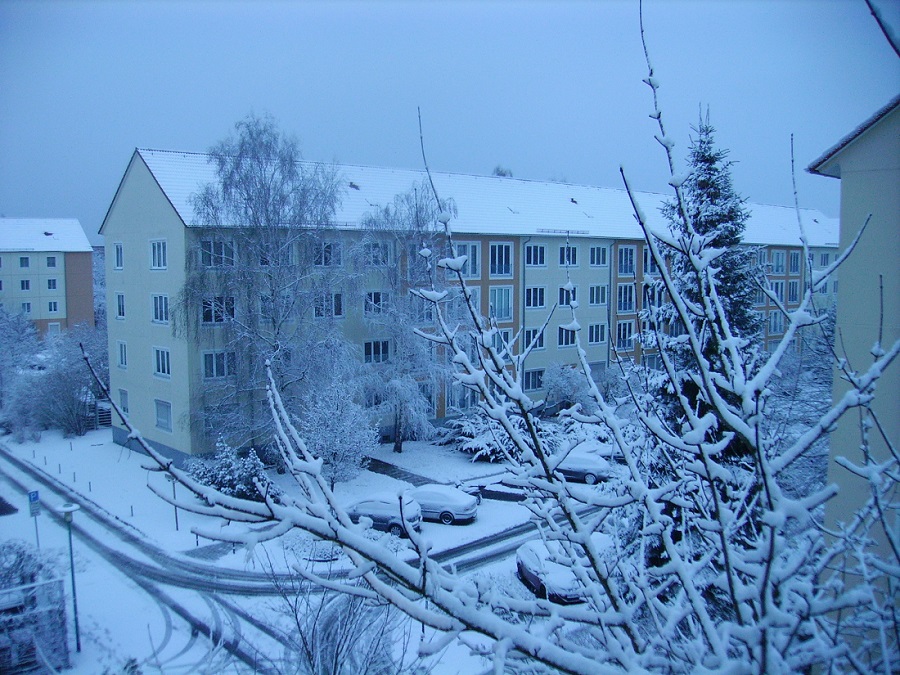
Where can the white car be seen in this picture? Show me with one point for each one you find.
(586, 463)
(538, 568)
(444, 503)
(384, 512)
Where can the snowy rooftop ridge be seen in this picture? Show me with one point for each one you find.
(63, 235)
(494, 205)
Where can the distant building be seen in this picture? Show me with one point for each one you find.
(530, 245)
(46, 272)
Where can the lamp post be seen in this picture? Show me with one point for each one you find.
(171, 479)
(68, 509)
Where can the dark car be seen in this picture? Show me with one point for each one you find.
(384, 512)
(586, 463)
(444, 503)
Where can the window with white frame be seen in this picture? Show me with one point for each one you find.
(121, 354)
(625, 335)
(596, 333)
(52, 306)
(160, 308)
(328, 304)
(793, 291)
(568, 256)
(778, 262)
(120, 305)
(598, 256)
(461, 397)
(377, 253)
(535, 255)
(51, 284)
(598, 294)
(161, 362)
(471, 268)
(795, 262)
(834, 286)
(422, 310)
(534, 379)
(824, 259)
(565, 337)
(761, 296)
(377, 302)
(217, 310)
(119, 255)
(777, 287)
(534, 297)
(219, 364)
(328, 254)
(51, 261)
(25, 284)
(163, 415)
(534, 337)
(625, 297)
(501, 262)
(626, 261)
(501, 302)
(216, 253)
(158, 255)
(567, 295)
(650, 266)
(776, 322)
(123, 401)
(823, 289)
(377, 351)
(762, 257)
(500, 340)
(24, 261)
(26, 308)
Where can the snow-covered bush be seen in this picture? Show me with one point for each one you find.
(233, 473)
(485, 440)
(21, 563)
(566, 387)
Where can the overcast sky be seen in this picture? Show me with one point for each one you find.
(548, 90)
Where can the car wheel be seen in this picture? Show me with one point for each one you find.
(590, 479)
(541, 591)
(396, 530)
(447, 518)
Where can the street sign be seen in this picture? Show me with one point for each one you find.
(34, 503)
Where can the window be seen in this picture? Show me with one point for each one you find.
(470, 270)
(824, 260)
(536, 336)
(565, 337)
(216, 253)
(795, 262)
(625, 335)
(598, 295)
(120, 305)
(123, 401)
(762, 257)
(119, 256)
(24, 261)
(834, 287)
(25, 284)
(161, 309)
(823, 289)
(1, 284)
(761, 297)
(626, 260)
(534, 379)
(327, 254)
(794, 291)
(158, 258)
(625, 297)
(501, 302)
(534, 297)
(501, 260)
(460, 397)
(377, 253)
(777, 287)
(53, 306)
(534, 255)
(218, 310)
(163, 415)
(650, 266)
(51, 284)
(596, 333)
(377, 302)
(500, 341)
(422, 310)
(377, 351)
(122, 352)
(328, 304)
(51, 261)
(778, 262)
(567, 295)
(219, 364)
(161, 362)
(568, 256)
(598, 256)
(26, 308)
(776, 323)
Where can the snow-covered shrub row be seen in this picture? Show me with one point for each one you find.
(233, 473)
(485, 440)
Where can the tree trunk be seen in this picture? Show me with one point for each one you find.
(398, 431)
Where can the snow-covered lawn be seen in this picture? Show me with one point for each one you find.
(119, 620)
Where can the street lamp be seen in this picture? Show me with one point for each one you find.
(171, 479)
(68, 509)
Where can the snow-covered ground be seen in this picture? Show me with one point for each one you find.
(119, 620)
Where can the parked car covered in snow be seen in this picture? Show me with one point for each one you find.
(586, 463)
(384, 512)
(445, 503)
(540, 567)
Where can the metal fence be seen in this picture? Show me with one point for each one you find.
(33, 636)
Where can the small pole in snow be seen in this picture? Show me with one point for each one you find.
(45, 460)
(74, 480)
(70, 446)
(132, 510)
(34, 505)
(90, 489)
(59, 469)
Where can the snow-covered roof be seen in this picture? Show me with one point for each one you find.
(494, 205)
(63, 235)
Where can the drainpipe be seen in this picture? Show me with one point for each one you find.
(522, 344)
